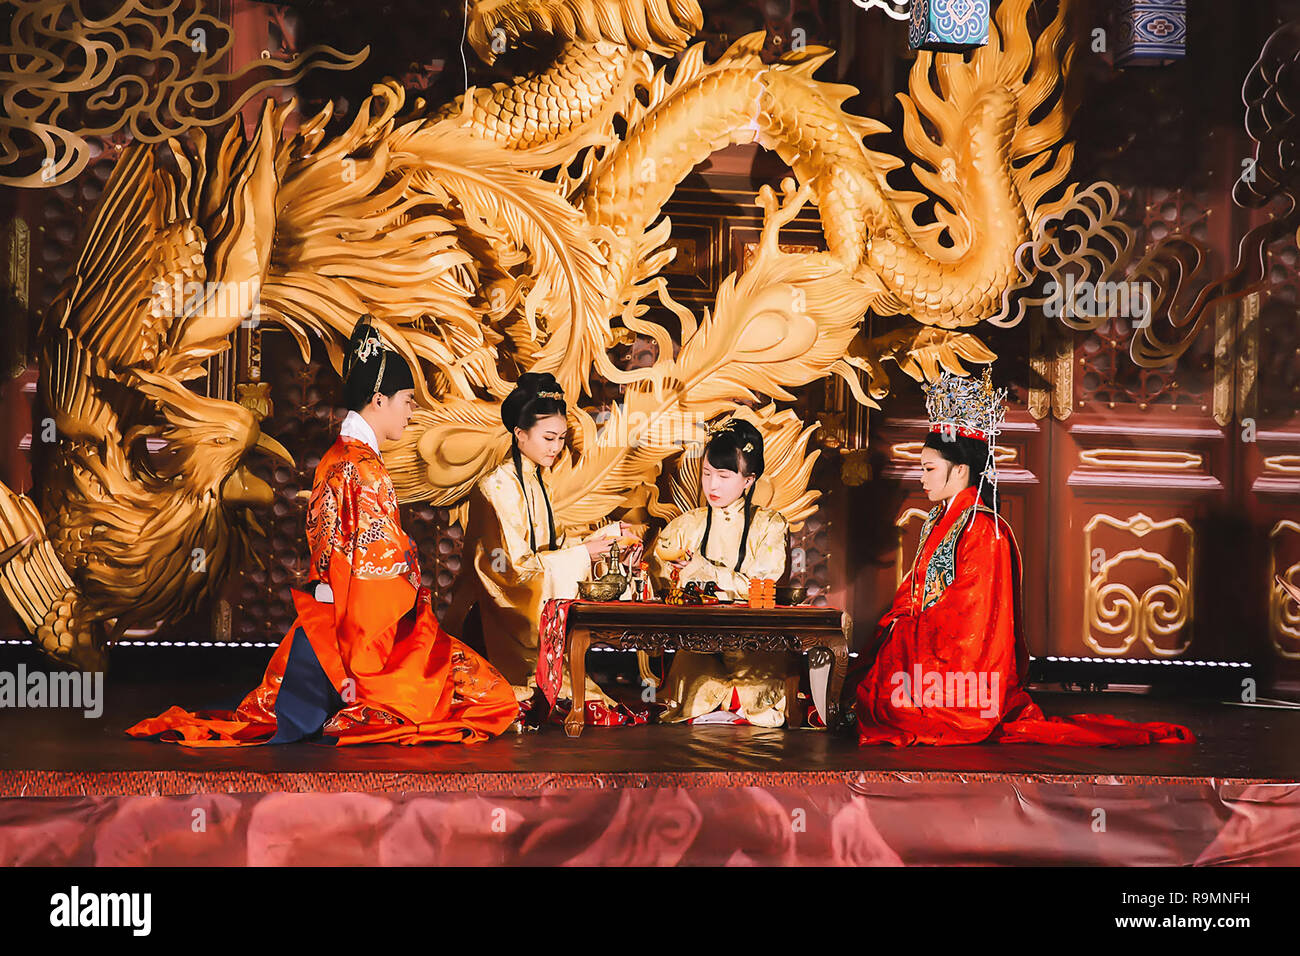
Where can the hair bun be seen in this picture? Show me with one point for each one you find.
(532, 391)
(741, 429)
(534, 382)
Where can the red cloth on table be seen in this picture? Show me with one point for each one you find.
(553, 629)
(553, 632)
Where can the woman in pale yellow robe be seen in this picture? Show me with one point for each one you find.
(516, 556)
(730, 541)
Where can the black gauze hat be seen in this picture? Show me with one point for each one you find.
(370, 367)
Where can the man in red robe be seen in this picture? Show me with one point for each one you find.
(365, 661)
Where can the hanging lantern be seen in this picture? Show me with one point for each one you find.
(1152, 32)
(949, 26)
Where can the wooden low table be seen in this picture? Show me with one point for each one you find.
(823, 633)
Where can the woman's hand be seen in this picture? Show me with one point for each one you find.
(598, 547)
(678, 566)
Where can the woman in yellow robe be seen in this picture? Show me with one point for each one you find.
(516, 556)
(729, 542)
(365, 661)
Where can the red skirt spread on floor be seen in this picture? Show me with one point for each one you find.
(949, 662)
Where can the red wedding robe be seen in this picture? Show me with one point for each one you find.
(373, 666)
(952, 661)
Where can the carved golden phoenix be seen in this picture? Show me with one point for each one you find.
(517, 228)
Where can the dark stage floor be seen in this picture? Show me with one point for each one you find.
(1234, 743)
(78, 791)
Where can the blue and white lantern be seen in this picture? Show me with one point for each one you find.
(949, 26)
(1152, 32)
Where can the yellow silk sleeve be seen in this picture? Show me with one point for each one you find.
(516, 562)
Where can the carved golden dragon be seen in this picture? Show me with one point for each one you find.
(515, 229)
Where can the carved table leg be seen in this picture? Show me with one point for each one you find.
(839, 670)
(579, 641)
(794, 715)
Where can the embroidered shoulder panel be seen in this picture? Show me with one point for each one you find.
(353, 512)
(942, 567)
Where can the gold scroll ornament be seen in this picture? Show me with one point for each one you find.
(1115, 616)
(1283, 607)
(67, 77)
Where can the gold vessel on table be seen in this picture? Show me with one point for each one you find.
(610, 585)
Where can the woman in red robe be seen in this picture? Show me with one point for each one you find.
(365, 661)
(951, 662)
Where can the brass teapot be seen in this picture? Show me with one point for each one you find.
(610, 585)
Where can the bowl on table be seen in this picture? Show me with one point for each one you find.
(601, 590)
(791, 595)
